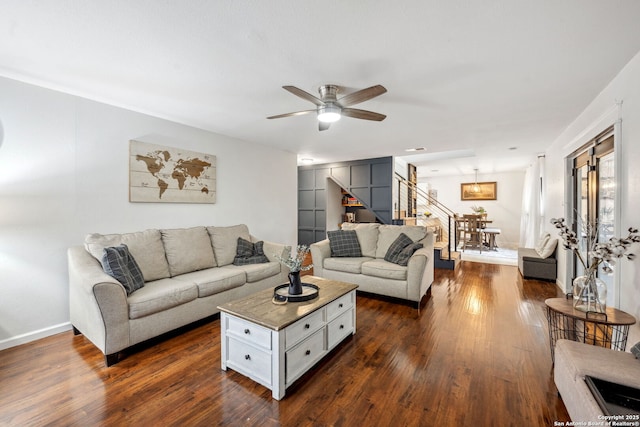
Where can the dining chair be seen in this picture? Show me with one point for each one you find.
(472, 233)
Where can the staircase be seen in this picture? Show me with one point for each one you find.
(411, 200)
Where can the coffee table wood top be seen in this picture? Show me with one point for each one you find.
(258, 308)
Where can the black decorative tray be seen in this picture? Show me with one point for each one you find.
(309, 292)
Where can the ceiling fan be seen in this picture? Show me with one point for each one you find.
(329, 108)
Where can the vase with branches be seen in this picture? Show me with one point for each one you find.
(295, 263)
(589, 292)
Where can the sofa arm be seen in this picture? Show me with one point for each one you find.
(97, 303)
(319, 251)
(420, 273)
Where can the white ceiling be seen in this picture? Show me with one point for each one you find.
(466, 80)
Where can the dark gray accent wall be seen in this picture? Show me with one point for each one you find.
(368, 180)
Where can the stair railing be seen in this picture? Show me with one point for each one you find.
(445, 214)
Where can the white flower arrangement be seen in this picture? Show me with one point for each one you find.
(294, 263)
(597, 253)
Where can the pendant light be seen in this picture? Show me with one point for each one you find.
(476, 187)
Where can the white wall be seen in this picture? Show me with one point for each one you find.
(64, 173)
(505, 212)
(600, 114)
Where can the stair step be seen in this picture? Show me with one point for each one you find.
(441, 259)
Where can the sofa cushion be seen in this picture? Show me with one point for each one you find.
(225, 240)
(118, 263)
(367, 236)
(145, 246)
(160, 295)
(187, 250)
(548, 249)
(249, 253)
(389, 233)
(256, 272)
(347, 265)
(344, 243)
(214, 280)
(384, 269)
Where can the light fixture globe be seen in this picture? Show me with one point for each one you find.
(329, 113)
(476, 187)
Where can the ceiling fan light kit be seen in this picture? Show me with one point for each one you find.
(329, 113)
(330, 109)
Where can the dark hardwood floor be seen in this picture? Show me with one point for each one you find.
(477, 355)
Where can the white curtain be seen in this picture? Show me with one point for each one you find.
(531, 223)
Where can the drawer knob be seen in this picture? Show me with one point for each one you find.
(307, 326)
(247, 357)
(247, 331)
(340, 305)
(308, 352)
(341, 326)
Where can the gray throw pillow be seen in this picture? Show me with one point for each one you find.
(401, 250)
(407, 252)
(250, 253)
(636, 350)
(118, 263)
(344, 243)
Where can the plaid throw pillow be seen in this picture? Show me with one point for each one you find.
(407, 252)
(249, 253)
(344, 243)
(118, 263)
(401, 250)
(636, 350)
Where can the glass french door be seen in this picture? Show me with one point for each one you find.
(594, 191)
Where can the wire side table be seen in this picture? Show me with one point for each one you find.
(608, 329)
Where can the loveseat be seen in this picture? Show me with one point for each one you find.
(369, 269)
(540, 261)
(187, 273)
(574, 361)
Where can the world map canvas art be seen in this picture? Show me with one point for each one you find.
(170, 175)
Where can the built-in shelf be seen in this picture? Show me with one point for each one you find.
(349, 200)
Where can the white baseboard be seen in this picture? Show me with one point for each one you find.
(35, 335)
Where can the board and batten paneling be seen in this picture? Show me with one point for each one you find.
(368, 180)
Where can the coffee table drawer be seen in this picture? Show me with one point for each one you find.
(340, 305)
(304, 327)
(249, 332)
(305, 354)
(339, 328)
(250, 361)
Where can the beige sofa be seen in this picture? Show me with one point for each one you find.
(187, 274)
(371, 272)
(575, 360)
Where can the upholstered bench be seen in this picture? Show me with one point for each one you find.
(539, 262)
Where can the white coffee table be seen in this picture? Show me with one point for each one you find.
(275, 345)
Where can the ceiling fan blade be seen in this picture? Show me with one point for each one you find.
(297, 113)
(361, 95)
(304, 95)
(363, 114)
(323, 126)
